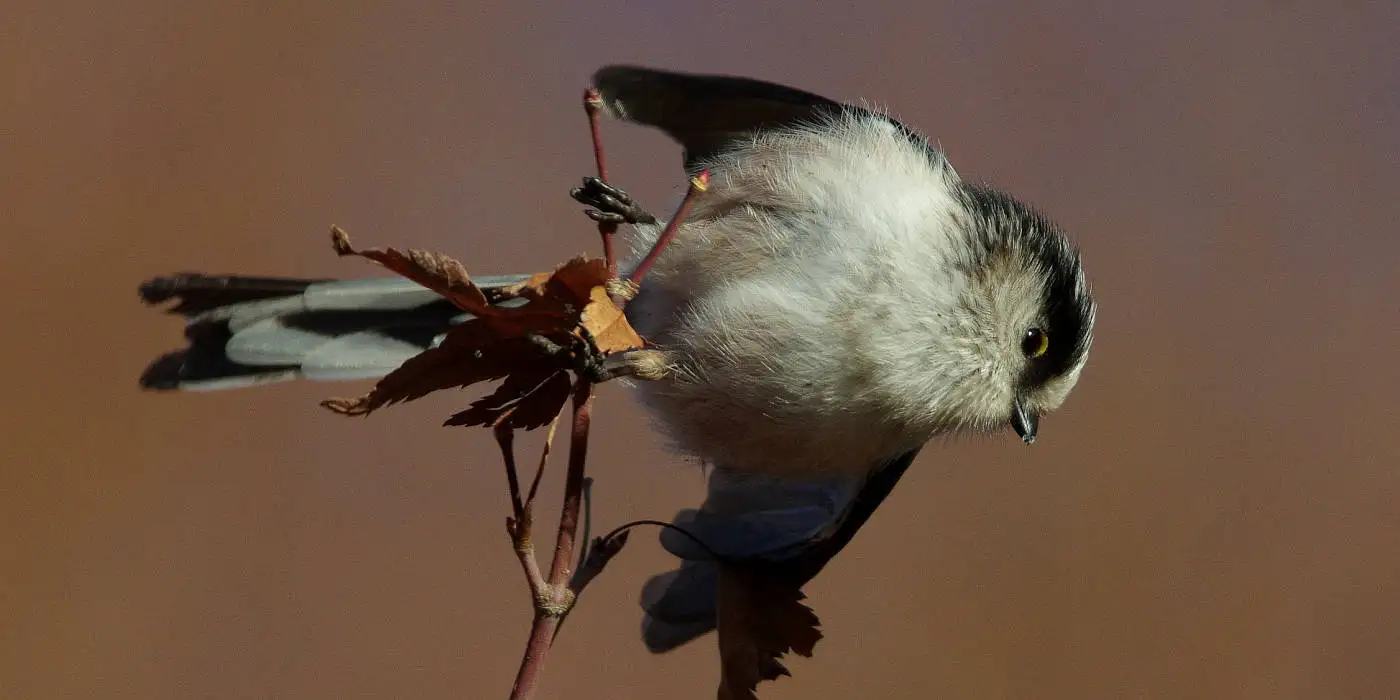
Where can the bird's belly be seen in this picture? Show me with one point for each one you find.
(767, 377)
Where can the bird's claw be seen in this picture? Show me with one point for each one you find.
(582, 355)
(613, 205)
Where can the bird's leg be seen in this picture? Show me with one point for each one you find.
(583, 358)
(612, 204)
(581, 355)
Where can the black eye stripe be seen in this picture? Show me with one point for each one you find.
(1003, 225)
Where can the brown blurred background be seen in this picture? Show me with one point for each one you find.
(1213, 515)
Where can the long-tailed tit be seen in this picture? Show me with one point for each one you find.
(834, 300)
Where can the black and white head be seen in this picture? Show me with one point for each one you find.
(1026, 313)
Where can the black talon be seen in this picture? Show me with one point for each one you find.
(614, 206)
(581, 355)
(603, 217)
(597, 185)
(588, 360)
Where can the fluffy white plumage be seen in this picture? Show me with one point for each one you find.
(811, 307)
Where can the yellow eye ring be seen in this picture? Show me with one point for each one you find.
(1035, 343)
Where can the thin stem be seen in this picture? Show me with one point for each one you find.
(573, 484)
(518, 526)
(525, 551)
(541, 636)
(608, 546)
(698, 184)
(624, 528)
(539, 471)
(505, 438)
(552, 597)
(593, 105)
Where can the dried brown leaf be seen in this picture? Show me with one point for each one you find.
(527, 399)
(609, 327)
(570, 282)
(529, 288)
(569, 302)
(436, 271)
(448, 366)
(583, 283)
(761, 619)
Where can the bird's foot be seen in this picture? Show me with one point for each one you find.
(613, 205)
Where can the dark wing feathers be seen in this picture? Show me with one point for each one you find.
(707, 113)
(704, 112)
(787, 529)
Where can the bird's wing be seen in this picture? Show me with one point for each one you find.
(793, 527)
(704, 112)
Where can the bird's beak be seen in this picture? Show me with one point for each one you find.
(1024, 421)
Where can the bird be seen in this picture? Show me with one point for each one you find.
(835, 299)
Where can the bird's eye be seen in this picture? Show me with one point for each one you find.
(1035, 343)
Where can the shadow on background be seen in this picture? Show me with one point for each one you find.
(1212, 515)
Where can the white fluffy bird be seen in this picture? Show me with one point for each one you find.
(834, 300)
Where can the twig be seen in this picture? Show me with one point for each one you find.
(603, 549)
(518, 525)
(505, 438)
(554, 598)
(591, 557)
(525, 551)
(606, 547)
(698, 185)
(573, 484)
(602, 552)
(539, 471)
(592, 105)
(623, 529)
(541, 636)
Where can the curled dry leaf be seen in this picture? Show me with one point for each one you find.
(527, 399)
(761, 619)
(436, 271)
(583, 284)
(562, 306)
(457, 362)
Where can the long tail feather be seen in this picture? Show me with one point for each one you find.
(244, 330)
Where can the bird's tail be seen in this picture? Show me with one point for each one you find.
(244, 330)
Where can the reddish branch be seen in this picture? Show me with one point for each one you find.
(698, 185)
(571, 323)
(555, 596)
(593, 105)
(573, 490)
